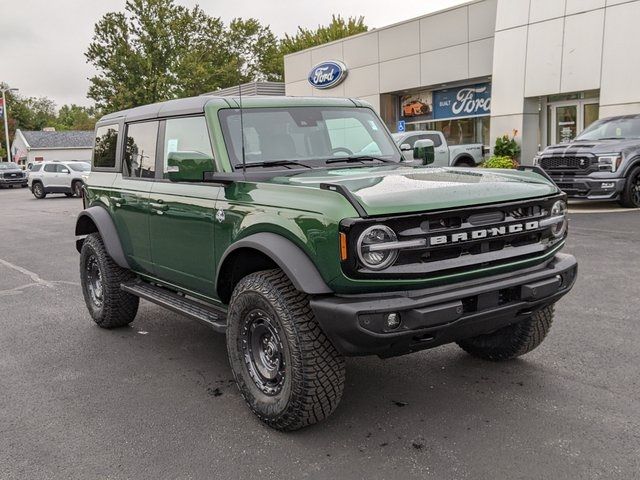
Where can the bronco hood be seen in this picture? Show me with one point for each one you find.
(403, 189)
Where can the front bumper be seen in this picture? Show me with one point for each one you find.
(13, 181)
(589, 188)
(356, 324)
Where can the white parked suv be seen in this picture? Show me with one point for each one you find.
(58, 177)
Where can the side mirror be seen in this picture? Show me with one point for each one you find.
(188, 166)
(405, 147)
(424, 151)
(65, 170)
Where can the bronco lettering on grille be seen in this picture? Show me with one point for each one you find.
(484, 233)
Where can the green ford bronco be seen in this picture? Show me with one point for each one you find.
(295, 227)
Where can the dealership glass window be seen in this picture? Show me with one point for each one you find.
(140, 150)
(459, 131)
(591, 113)
(104, 153)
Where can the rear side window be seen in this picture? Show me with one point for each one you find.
(140, 150)
(104, 152)
(50, 167)
(36, 168)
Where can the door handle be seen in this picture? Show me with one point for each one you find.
(117, 201)
(159, 206)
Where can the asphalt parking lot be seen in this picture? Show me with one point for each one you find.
(156, 400)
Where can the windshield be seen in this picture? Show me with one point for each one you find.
(79, 167)
(612, 129)
(8, 166)
(305, 134)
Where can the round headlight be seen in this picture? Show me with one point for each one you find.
(369, 255)
(559, 209)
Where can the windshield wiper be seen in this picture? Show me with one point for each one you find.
(275, 163)
(358, 158)
(612, 138)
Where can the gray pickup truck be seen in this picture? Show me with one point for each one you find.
(468, 155)
(602, 163)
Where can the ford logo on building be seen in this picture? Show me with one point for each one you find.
(327, 74)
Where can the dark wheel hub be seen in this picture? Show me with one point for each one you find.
(635, 191)
(263, 352)
(94, 281)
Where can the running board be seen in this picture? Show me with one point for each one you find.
(206, 314)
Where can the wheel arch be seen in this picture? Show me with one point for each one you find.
(97, 219)
(631, 164)
(465, 159)
(262, 251)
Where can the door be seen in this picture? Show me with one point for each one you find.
(130, 194)
(182, 210)
(50, 175)
(569, 119)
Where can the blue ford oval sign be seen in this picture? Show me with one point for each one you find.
(327, 74)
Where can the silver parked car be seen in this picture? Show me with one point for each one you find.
(58, 177)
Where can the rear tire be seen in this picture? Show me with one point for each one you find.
(465, 163)
(38, 190)
(287, 370)
(101, 278)
(630, 197)
(511, 341)
(68, 195)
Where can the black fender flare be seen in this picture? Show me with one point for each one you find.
(100, 217)
(288, 256)
(631, 164)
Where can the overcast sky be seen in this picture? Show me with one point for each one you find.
(42, 42)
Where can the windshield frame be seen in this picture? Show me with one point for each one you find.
(610, 122)
(319, 161)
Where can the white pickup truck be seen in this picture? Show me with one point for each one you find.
(446, 155)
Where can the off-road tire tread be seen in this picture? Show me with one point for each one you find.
(318, 371)
(625, 198)
(512, 341)
(119, 308)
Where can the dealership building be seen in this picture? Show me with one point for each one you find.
(543, 68)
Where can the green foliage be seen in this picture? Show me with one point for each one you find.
(76, 117)
(156, 50)
(500, 162)
(506, 146)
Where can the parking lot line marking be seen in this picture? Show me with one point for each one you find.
(34, 276)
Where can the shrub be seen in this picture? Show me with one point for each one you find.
(507, 146)
(500, 162)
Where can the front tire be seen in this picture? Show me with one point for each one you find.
(630, 197)
(287, 370)
(38, 190)
(101, 277)
(511, 341)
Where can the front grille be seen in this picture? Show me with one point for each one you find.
(461, 240)
(12, 175)
(565, 163)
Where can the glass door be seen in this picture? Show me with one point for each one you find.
(566, 120)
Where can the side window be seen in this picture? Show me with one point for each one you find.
(36, 167)
(62, 168)
(50, 167)
(435, 138)
(104, 152)
(187, 146)
(140, 150)
(413, 139)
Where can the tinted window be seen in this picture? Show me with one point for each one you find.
(36, 167)
(187, 140)
(435, 138)
(62, 169)
(104, 152)
(50, 167)
(140, 150)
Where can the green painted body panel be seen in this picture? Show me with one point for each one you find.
(183, 245)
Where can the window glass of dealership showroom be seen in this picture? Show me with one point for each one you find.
(461, 113)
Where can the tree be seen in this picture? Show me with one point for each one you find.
(76, 117)
(337, 29)
(156, 50)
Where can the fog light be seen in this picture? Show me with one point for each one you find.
(608, 185)
(393, 320)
